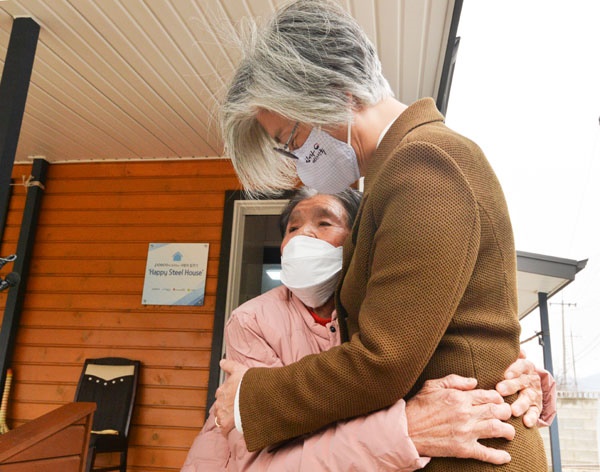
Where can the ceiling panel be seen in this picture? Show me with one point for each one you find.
(141, 79)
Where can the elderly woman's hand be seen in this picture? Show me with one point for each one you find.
(225, 396)
(447, 417)
(536, 401)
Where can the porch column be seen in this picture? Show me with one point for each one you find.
(13, 95)
(547, 349)
(16, 294)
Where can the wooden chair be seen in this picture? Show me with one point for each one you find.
(54, 442)
(111, 383)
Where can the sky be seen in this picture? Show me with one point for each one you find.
(526, 88)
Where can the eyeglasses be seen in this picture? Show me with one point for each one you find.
(285, 149)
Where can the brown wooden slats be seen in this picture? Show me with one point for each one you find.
(148, 458)
(37, 392)
(44, 266)
(34, 373)
(93, 319)
(55, 442)
(163, 437)
(95, 250)
(25, 411)
(198, 199)
(150, 395)
(152, 339)
(131, 234)
(84, 293)
(151, 415)
(131, 218)
(149, 186)
(60, 464)
(94, 283)
(66, 375)
(89, 301)
(69, 441)
(195, 168)
(169, 416)
(50, 363)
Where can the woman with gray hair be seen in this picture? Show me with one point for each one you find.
(428, 284)
(311, 65)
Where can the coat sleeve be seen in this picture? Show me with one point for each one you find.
(376, 442)
(209, 451)
(426, 217)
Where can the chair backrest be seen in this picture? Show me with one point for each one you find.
(110, 382)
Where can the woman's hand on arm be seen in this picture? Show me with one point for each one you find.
(447, 417)
(536, 401)
(225, 396)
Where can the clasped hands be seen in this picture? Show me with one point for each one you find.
(469, 414)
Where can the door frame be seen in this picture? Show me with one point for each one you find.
(237, 206)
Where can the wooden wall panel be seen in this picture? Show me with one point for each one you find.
(84, 292)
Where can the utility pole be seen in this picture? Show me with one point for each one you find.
(564, 304)
(573, 359)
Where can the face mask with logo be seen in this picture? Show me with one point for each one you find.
(326, 163)
(310, 268)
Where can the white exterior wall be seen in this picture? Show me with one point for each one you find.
(578, 430)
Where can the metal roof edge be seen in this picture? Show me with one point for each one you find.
(549, 265)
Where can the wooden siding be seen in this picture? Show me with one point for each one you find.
(84, 292)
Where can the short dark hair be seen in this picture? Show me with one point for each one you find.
(349, 198)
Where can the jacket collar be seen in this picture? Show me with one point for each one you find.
(421, 112)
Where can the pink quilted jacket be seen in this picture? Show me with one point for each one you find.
(276, 329)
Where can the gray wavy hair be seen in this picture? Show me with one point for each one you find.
(304, 64)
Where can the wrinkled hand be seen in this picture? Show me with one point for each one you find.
(447, 417)
(522, 377)
(225, 396)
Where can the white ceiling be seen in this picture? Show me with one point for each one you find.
(546, 274)
(141, 79)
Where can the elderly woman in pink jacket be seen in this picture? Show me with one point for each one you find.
(298, 319)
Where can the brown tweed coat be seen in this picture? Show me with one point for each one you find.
(428, 288)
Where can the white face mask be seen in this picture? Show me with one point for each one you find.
(310, 268)
(326, 163)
